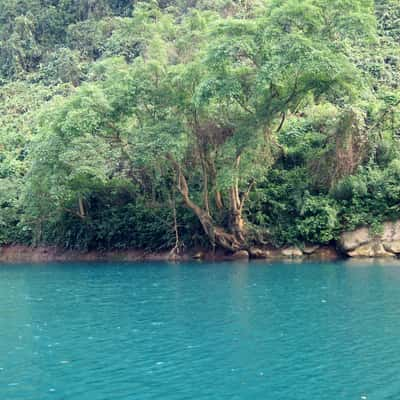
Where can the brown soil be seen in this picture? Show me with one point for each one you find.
(19, 253)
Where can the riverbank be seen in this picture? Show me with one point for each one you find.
(363, 242)
(20, 253)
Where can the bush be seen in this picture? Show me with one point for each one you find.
(370, 197)
(119, 217)
(284, 206)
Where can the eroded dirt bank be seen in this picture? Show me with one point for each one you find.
(18, 253)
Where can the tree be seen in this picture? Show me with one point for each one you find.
(211, 112)
(232, 95)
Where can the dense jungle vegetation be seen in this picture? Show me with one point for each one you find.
(171, 124)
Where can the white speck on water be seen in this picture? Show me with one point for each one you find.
(13, 384)
(363, 397)
(1, 369)
(159, 363)
(323, 301)
(90, 337)
(261, 374)
(52, 390)
(156, 323)
(64, 362)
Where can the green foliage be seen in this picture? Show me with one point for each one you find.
(63, 66)
(293, 215)
(370, 197)
(19, 107)
(106, 105)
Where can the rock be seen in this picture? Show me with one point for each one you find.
(325, 253)
(256, 252)
(392, 247)
(364, 243)
(198, 256)
(240, 255)
(292, 252)
(351, 240)
(391, 231)
(373, 249)
(310, 249)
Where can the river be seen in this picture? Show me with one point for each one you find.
(245, 331)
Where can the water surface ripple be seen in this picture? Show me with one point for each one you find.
(200, 331)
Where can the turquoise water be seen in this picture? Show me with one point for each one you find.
(200, 331)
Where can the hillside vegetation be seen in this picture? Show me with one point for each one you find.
(173, 124)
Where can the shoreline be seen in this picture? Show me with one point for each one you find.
(19, 254)
(43, 254)
(361, 243)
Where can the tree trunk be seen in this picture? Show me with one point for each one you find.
(235, 239)
(236, 220)
(217, 235)
(236, 216)
(81, 208)
(218, 200)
